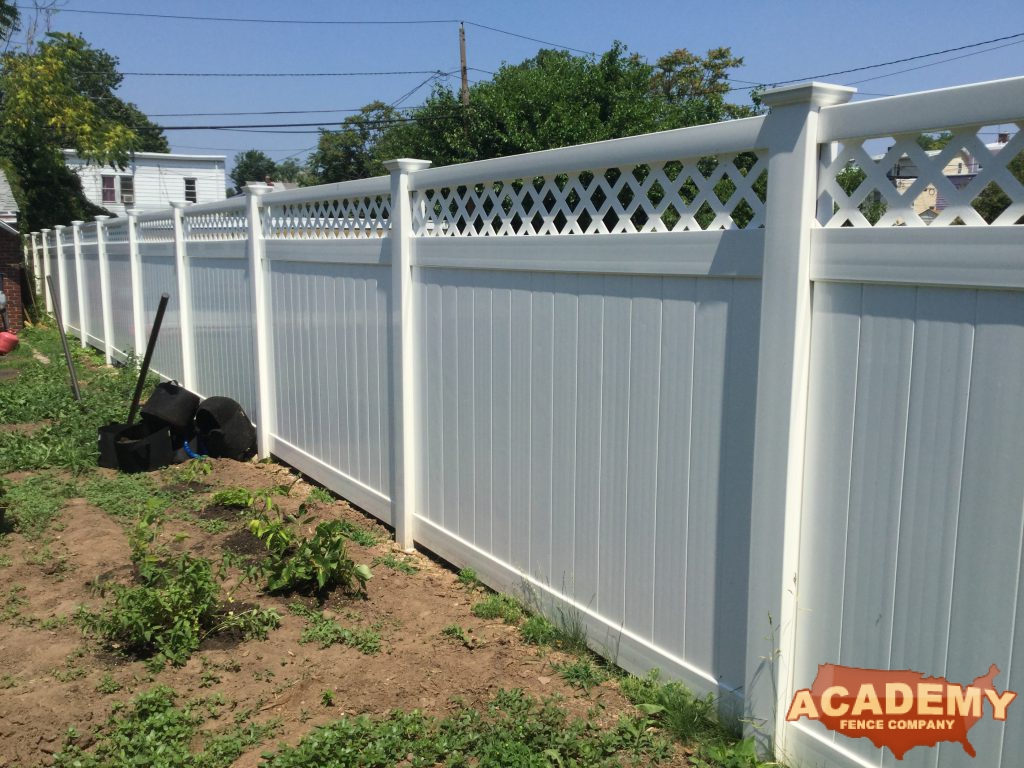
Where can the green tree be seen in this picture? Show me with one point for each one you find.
(992, 200)
(929, 141)
(351, 153)
(9, 20)
(62, 96)
(252, 165)
(554, 99)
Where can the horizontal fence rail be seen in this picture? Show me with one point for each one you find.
(740, 399)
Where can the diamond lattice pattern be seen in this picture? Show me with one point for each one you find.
(724, 192)
(968, 182)
(156, 231)
(349, 217)
(222, 225)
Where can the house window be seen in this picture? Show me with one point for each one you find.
(127, 190)
(190, 191)
(109, 193)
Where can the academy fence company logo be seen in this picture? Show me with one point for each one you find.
(899, 709)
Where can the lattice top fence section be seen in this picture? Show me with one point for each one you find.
(156, 230)
(87, 234)
(217, 225)
(360, 217)
(116, 233)
(708, 193)
(895, 182)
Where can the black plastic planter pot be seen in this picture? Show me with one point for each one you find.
(174, 405)
(135, 447)
(224, 429)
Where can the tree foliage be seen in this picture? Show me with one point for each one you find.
(554, 99)
(252, 165)
(62, 96)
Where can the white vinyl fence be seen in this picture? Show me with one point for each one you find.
(679, 385)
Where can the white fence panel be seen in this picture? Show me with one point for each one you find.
(66, 264)
(222, 319)
(93, 292)
(331, 329)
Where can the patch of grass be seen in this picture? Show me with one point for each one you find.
(456, 632)
(67, 436)
(499, 606)
(405, 565)
(513, 730)
(155, 732)
(126, 496)
(357, 533)
(537, 630)
(582, 673)
(691, 720)
(35, 502)
(7, 681)
(468, 578)
(5, 561)
(12, 602)
(326, 632)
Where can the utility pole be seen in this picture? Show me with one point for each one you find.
(462, 61)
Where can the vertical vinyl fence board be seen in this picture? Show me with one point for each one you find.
(940, 383)
(984, 620)
(673, 471)
(93, 292)
(565, 387)
(483, 407)
(159, 277)
(464, 425)
(543, 462)
(520, 403)
(642, 462)
(501, 423)
(588, 440)
(121, 299)
(832, 401)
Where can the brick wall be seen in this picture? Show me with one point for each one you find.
(11, 269)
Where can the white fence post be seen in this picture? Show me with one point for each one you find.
(259, 271)
(138, 296)
(36, 270)
(83, 315)
(46, 270)
(783, 366)
(105, 293)
(405, 444)
(188, 355)
(62, 278)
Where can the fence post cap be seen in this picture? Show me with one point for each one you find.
(101, 219)
(59, 226)
(256, 188)
(44, 231)
(77, 223)
(132, 211)
(179, 204)
(813, 93)
(406, 164)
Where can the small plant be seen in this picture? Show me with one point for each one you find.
(195, 470)
(456, 632)
(315, 565)
(326, 632)
(35, 502)
(327, 698)
(498, 606)
(357, 533)
(131, 497)
(238, 498)
(687, 717)
(7, 681)
(108, 685)
(468, 578)
(537, 630)
(581, 673)
(405, 565)
(319, 496)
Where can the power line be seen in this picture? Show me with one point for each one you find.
(317, 22)
(888, 63)
(283, 74)
(934, 63)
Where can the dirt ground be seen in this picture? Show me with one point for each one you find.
(50, 670)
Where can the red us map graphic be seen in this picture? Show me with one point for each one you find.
(899, 709)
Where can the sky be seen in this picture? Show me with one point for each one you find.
(779, 41)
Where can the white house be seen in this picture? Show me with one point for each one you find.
(151, 180)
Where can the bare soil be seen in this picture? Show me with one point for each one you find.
(50, 670)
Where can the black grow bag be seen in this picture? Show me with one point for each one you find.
(173, 405)
(135, 448)
(223, 429)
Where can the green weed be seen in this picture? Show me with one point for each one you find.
(326, 632)
(357, 533)
(314, 565)
(239, 498)
(319, 496)
(108, 685)
(126, 496)
(327, 698)
(513, 730)
(582, 673)
(498, 606)
(456, 632)
(537, 630)
(405, 565)
(35, 502)
(155, 732)
(468, 578)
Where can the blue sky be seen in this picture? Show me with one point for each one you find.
(778, 41)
